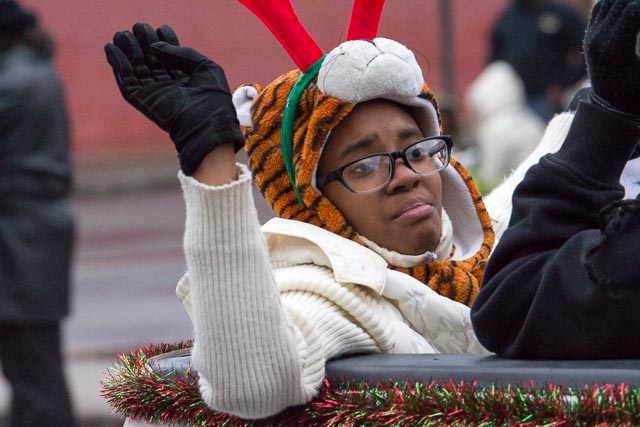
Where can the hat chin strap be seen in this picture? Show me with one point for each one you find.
(288, 119)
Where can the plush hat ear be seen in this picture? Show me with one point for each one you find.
(365, 17)
(282, 21)
(243, 99)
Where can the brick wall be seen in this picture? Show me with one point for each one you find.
(104, 125)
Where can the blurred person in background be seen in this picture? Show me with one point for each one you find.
(583, 7)
(36, 223)
(505, 129)
(542, 40)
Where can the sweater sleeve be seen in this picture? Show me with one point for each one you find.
(254, 355)
(539, 298)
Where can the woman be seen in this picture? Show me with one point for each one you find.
(348, 152)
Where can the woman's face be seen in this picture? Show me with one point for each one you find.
(405, 214)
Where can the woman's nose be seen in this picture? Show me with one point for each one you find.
(403, 177)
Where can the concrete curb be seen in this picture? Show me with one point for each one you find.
(122, 173)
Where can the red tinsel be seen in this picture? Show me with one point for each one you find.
(133, 391)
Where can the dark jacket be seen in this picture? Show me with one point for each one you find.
(564, 281)
(36, 225)
(542, 44)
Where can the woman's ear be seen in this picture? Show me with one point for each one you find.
(243, 99)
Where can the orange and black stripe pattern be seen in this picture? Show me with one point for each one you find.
(317, 115)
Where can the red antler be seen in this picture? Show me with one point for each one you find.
(365, 18)
(282, 21)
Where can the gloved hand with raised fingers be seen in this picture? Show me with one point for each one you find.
(613, 64)
(182, 91)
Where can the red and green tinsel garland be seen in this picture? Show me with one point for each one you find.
(134, 391)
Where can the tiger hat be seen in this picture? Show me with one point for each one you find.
(289, 121)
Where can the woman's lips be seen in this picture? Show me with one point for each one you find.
(414, 212)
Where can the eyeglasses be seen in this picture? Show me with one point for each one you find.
(369, 173)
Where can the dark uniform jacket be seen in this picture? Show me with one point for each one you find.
(36, 225)
(538, 43)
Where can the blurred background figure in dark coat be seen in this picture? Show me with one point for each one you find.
(542, 40)
(36, 223)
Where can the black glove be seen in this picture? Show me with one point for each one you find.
(612, 61)
(179, 89)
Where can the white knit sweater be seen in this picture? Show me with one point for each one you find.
(264, 328)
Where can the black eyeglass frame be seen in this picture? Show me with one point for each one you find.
(336, 174)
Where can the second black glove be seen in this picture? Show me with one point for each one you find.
(612, 62)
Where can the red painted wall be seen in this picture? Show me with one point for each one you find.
(104, 125)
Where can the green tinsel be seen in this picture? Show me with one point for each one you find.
(134, 391)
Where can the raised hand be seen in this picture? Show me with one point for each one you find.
(611, 54)
(182, 91)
